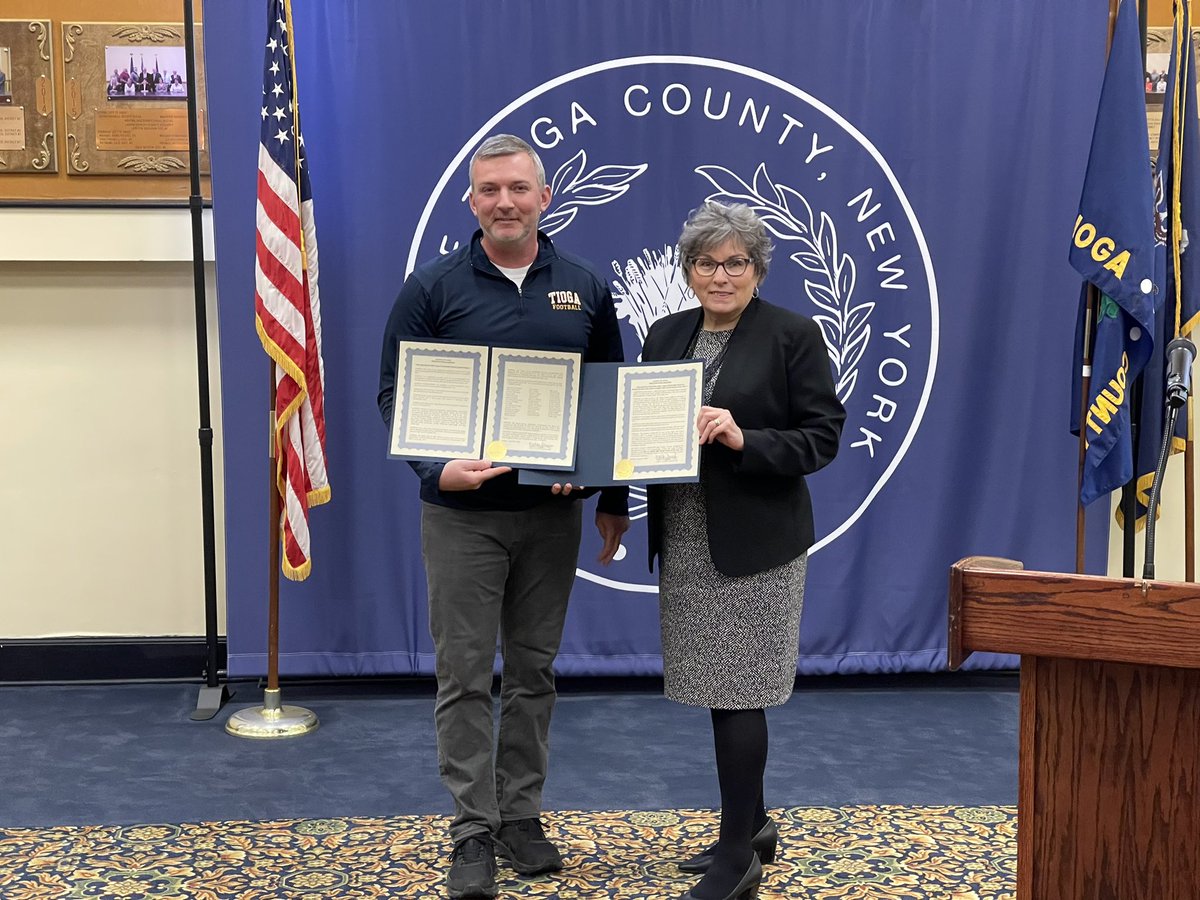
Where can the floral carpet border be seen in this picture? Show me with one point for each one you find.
(850, 853)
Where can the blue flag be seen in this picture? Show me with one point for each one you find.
(1113, 246)
(1177, 171)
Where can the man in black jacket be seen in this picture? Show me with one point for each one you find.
(500, 556)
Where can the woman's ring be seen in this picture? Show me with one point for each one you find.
(717, 421)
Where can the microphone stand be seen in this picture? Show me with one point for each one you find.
(1152, 510)
(213, 693)
(1181, 352)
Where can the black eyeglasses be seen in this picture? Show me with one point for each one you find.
(734, 266)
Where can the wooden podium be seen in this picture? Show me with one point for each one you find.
(1108, 806)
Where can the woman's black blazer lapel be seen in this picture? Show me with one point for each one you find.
(675, 339)
(742, 341)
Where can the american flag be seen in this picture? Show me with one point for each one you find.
(287, 308)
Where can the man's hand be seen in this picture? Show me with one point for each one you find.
(611, 527)
(468, 474)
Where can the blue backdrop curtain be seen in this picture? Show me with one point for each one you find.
(919, 164)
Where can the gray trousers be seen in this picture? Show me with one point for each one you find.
(496, 573)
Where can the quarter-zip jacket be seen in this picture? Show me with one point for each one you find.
(462, 297)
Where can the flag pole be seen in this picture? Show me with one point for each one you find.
(1129, 490)
(213, 694)
(1189, 452)
(1128, 506)
(273, 719)
(1189, 501)
(1088, 341)
(1085, 392)
(271, 697)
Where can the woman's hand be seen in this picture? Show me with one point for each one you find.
(716, 424)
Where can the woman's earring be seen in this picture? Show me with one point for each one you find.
(754, 296)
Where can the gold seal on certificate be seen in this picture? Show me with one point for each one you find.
(533, 405)
(625, 468)
(495, 451)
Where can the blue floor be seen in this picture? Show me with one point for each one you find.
(124, 754)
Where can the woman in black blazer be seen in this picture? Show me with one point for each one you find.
(732, 548)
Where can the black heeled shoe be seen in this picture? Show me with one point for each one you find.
(765, 844)
(746, 889)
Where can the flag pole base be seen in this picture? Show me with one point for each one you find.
(271, 720)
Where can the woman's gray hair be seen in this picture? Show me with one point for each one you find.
(715, 223)
(507, 145)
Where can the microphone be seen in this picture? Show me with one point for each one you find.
(1180, 354)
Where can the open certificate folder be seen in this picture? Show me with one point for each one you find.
(466, 401)
(637, 423)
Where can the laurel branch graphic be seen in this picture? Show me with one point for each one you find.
(789, 217)
(138, 33)
(574, 186)
(150, 163)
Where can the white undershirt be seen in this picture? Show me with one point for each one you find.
(516, 276)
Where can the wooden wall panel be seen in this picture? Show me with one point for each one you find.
(62, 187)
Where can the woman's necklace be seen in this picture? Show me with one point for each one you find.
(712, 367)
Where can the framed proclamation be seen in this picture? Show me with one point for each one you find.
(125, 93)
(637, 424)
(438, 406)
(26, 97)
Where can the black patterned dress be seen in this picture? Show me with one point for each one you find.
(728, 643)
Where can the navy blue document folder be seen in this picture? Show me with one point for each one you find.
(596, 435)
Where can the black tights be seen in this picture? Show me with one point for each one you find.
(740, 739)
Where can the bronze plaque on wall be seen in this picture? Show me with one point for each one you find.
(26, 97)
(125, 90)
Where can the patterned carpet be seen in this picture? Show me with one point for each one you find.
(859, 852)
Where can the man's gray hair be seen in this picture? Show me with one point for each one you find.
(507, 145)
(715, 223)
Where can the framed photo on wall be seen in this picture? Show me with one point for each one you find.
(125, 91)
(1158, 60)
(27, 143)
